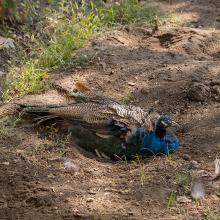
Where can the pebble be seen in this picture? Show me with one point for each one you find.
(199, 92)
(2, 73)
(130, 213)
(6, 43)
(216, 92)
(92, 192)
(131, 84)
(104, 65)
(194, 164)
(217, 168)
(111, 72)
(183, 199)
(215, 82)
(145, 90)
(89, 200)
(6, 163)
(186, 157)
(70, 166)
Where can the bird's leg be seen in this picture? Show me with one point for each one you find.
(97, 153)
(44, 118)
(105, 136)
(128, 136)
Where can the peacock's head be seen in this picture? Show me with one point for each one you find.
(165, 121)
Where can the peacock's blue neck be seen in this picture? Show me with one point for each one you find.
(160, 131)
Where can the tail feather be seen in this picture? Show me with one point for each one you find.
(39, 120)
(37, 108)
(33, 109)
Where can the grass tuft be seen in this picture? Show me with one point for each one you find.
(183, 180)
(211, 215)
(171, 201)
(8, 125)
(65, 28)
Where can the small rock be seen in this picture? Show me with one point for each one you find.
(194, 164)
(2, 73)
(111, 72)
(215, 83)
(127, 29)
(94, 43)
(104, 65)
(157, 102)
(199, 92)
(131, 84)
(217, 168)
(6, 163)
(215, 90)
(6, 43)
(145, 90)
(89, 200)
(92, 192)
(54, 159)
(183, 129)
(130, 213)
(70, 166)
(153, 76)
(183, 199)
(202, 173)
(186, 157)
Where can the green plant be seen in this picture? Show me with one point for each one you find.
(212, 216)
(8, 125)
(216, 191)
(169, 156)
(171, 200)
(63, 30)
(129, 98)
(138, 161)
(8, 4)
(183, 180)
(68, 37)
(7, 8)
(30, 10)
(128, 11)
(52, 142)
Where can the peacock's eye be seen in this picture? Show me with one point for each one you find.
(164, 123)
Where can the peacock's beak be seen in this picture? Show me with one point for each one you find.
(175, 124)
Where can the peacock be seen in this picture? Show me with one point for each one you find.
(101, 123)
(100, 127)
(138, 141)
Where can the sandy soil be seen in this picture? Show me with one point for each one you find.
(34, 183)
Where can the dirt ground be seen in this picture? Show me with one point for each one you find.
(132, 66)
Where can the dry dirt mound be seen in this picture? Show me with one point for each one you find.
(199, 44)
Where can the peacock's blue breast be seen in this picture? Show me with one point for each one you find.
(151, 143)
